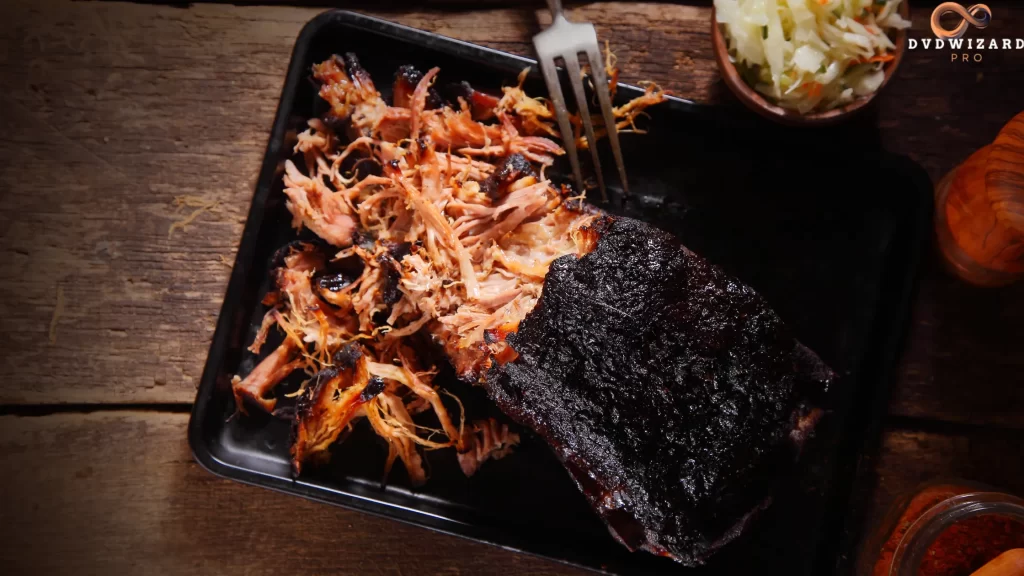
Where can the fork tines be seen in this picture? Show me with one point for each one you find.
(566, 40)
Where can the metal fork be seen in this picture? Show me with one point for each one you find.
(567, 40)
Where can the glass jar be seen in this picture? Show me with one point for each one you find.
(973, 264)
(945, 529)
(979, 211)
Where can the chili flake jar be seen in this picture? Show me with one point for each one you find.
(945, 529)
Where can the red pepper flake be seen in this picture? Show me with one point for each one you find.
(915, 508)
(971, 543)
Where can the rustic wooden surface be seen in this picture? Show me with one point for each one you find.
(119, 493)
(111, 111)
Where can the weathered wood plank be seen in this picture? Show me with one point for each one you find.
(113, 492)
(111, 110)
(118, 493)
(963, 359)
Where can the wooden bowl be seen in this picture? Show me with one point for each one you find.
(758, 103)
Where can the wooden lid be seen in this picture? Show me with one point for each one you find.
(1004, 177)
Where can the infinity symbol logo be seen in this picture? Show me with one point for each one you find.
(978, 16)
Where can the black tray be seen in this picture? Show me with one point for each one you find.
(823, 223)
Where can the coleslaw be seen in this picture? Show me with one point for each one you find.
(811, 54)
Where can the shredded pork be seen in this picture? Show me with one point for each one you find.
(436, 220)
(483, 440)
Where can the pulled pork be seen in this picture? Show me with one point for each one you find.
(436, 220)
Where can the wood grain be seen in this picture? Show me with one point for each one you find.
(962, 360)
(110, 112)
(113, 110)
(118, 493)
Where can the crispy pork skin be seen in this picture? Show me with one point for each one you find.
(327, 407)
(670, 391)
(406, 79)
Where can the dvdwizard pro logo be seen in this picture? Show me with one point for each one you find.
(977, 16)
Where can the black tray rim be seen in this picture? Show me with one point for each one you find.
(244, 256)
(891, 334)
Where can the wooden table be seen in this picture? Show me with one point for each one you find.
(111, 111)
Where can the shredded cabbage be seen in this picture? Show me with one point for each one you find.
(811, 54)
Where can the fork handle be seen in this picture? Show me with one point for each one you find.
(556, 8)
